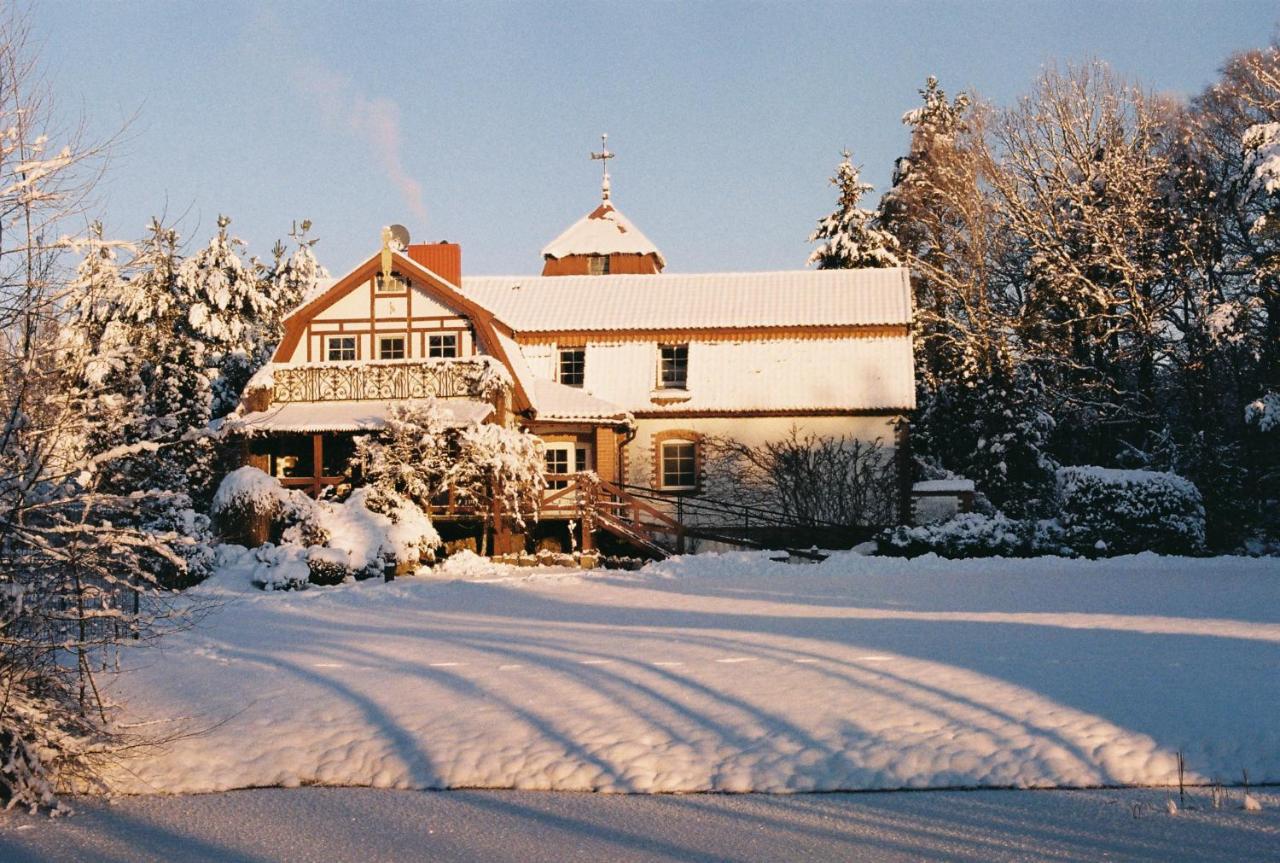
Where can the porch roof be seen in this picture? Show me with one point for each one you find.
(346, 416)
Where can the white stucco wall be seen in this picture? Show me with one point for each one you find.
(640, 456)
(851, 372)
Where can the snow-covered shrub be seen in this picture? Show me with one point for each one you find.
(329, 566)
(254, 506)
(969, 534)
(283, 567)
(1108, 511)
(370, 527)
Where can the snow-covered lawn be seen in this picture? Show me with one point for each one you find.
(728, 672)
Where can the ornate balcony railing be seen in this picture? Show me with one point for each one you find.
(455, 378)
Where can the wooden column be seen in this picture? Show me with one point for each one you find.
(317, 464)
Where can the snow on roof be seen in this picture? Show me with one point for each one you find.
(310, 417)
(670, 301)
(943, 486)
(316, 290)
(559, 402)
(603, 231)
(552, 400)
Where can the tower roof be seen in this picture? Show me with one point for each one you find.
(603, 231)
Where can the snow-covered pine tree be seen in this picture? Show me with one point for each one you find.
(227, 307)
(294, 278)
(850, 237)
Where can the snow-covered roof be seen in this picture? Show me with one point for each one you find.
(603, 231)
(310, 417)
(555, 401)
(671, 301)
(552, 400)
(943, 486)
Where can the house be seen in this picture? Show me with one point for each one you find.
(621, 368)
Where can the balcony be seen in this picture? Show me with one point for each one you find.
(469, 378)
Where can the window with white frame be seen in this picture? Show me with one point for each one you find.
(678, 463)
(598, 265)
(573, 366)
(673, 367)
(391, 348)
(341, 348)
(443, 345)
(564, 458)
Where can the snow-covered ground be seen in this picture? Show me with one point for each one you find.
(727, 672)
(372, 826)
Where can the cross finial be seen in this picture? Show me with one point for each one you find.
(604, 156)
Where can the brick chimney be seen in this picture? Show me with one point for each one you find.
(443, 259)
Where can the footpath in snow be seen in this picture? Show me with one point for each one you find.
(726, 673)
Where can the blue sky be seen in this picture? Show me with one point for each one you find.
(472, 122)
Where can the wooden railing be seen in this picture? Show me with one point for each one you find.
(415, 379)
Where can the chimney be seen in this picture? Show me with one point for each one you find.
(443, 259)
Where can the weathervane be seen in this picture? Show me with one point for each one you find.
(604, 156)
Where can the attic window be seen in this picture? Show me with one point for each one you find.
(397, 285)
(598, 265)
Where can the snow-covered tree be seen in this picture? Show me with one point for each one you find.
(849, 237)
(226, 304)
(411, 456)
(294, 278)
(77, 572)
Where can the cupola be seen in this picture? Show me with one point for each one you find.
(602, 242)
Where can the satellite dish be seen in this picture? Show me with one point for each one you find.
(400, 235)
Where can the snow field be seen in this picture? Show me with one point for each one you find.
(727, 673)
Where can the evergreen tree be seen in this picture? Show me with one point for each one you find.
(849, 237)
(227, 310)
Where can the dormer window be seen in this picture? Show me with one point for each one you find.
(573, 366)
(397, 284)
(598, 265)
(673, 367)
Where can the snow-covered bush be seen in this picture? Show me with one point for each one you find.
(251, 505)
(1108, 511)
(969, 534)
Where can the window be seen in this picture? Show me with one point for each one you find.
(566, 458)
(391, 348)
(598, 265)
(573, 365)
(443, 345)
(679, 465)
(673, 367)
(341, 348)
(397, 284)
(557, 464)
